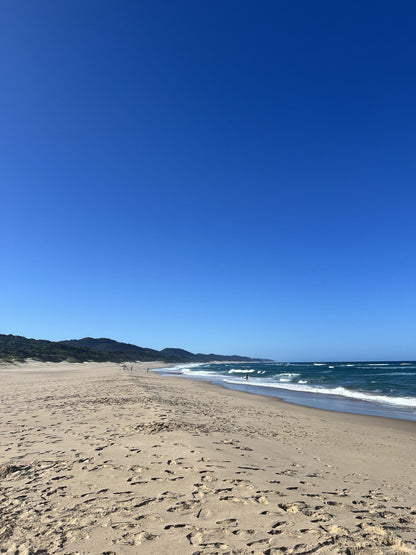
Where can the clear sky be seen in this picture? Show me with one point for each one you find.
(222, 176)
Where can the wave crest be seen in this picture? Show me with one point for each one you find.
(409, 402)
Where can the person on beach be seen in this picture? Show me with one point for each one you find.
(246, 376)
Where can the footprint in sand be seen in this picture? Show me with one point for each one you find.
(227, 522)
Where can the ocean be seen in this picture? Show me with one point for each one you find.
(386, 389)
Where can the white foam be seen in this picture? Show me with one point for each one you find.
(188, 369)
(185, 366)
(287, 376)
(237, 371)
(379, 364)
(339, 391)
(345, 365)
(191, 372)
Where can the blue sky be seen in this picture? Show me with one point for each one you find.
(230, 177)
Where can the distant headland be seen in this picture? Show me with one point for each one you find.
(18, 348)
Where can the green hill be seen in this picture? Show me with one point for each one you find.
(18, 348)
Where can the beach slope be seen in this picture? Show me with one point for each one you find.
(97, 458)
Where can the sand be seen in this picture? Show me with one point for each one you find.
(99, 459)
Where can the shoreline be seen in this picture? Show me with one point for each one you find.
(304, 410)
(98, 459)
(334, 403)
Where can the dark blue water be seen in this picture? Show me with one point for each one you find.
(377, 388)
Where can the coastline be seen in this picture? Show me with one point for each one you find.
(326, 401)
(276, 401)
(101, 459)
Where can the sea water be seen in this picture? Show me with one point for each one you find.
(376, 388)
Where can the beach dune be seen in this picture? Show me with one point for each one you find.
(106, 459)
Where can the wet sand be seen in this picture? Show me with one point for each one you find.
(100, 459)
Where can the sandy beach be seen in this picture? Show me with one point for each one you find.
(97, 458)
